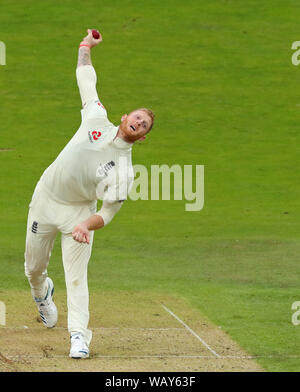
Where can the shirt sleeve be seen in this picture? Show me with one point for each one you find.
(114, 196)
(92, 107)
(111, 203)
(94, 110)
(109, 210)
(86, 80)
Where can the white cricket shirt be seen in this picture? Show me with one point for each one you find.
(95, 164)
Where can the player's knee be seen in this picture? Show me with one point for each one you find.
(34, 266)
(36, 260)
(33, 270)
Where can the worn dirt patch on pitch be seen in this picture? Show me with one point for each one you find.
(131, 332)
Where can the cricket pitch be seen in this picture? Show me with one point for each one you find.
(136, 332)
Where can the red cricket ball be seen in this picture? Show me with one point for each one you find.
(96, 34)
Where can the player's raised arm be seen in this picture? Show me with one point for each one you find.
(85, 72)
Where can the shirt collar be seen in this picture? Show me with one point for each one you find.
(120, 143)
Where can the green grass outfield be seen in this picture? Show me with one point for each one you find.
(218, 75)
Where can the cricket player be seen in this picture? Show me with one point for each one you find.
(94, 165)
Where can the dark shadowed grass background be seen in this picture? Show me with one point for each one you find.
(219, 78)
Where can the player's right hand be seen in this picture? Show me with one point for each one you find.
(81, 233)
(90, 40)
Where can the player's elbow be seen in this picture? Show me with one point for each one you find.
(108, 211)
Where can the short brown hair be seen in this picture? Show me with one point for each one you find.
(150, 114)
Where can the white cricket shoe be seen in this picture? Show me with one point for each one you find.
(79, 349)
(47, 308)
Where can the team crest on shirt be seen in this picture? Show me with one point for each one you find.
(34, 227)
(94, 136)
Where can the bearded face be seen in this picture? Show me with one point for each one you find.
(135, 125)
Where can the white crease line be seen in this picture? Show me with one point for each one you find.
(191, 331)
(119, 356)
(93, 329)
(175, 356)
(109, 356)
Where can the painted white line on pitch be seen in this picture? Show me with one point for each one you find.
(110, 356)
(175, 356)
(12, 357)
(191, 331)
(94, 329)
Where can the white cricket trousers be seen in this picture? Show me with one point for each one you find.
(46, 218)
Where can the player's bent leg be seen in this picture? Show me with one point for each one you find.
(39, 243)
(75, 260)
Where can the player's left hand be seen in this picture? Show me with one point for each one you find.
(81, 233)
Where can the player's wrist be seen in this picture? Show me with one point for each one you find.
(84, 225)
(85, 43)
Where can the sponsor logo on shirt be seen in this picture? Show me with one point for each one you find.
(103, 169)
(94, 136)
